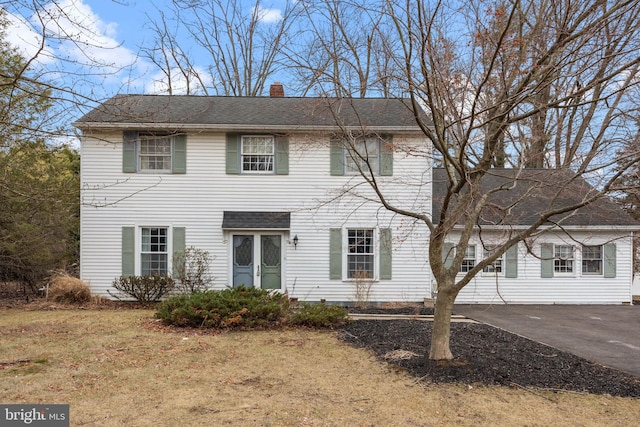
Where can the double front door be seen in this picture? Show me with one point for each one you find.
(257, 260)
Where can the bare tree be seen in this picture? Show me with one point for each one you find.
(345, 50)
(242, 42)
(544, 83)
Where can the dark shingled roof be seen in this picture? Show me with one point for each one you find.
(256, 220)
(535, 190)
(244, 112)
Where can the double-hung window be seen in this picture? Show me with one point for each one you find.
(592, 259)
(363, 155)
(469, 260)
(496, 266)
(154, 254)
(563, 258)
(360, 254)
(258, 154)
(154, 153)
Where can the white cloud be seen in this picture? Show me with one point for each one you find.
(268, 16)
(22, 36)
(80, 36)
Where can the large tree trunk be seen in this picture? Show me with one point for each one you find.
(442, 325)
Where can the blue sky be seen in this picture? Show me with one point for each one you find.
(110, 32)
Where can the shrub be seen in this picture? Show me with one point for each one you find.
(229, 308)
(144, 289)
(66, 289)
(318, 315)
(191, 270)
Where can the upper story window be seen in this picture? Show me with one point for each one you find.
(154, 153)
(370, 154)
(258, 154)
(563, 259)
(363, 155)
(592, 259)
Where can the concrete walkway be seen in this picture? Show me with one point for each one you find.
(605, 334)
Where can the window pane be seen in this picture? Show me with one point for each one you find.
(153, 264)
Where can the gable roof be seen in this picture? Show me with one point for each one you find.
(526, 193)
(245, 113)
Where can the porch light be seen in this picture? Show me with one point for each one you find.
(295, 242)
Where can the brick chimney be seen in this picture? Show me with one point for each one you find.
(276, 90)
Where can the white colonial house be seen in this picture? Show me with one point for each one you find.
(266, 186)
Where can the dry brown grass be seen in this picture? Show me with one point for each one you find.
(119, 368)
(66, 289)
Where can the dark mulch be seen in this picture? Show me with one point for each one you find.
(486, 355)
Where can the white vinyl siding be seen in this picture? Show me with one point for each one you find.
(196, 200)
(575, 288)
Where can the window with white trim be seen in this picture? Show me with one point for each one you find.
(469, 260)
(258, 154)
(364, 150)
(154, 252)
(563, 259)
(360, 254)
(154, 153)
(592, 259)
(496, 266)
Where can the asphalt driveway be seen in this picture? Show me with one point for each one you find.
(606, 334)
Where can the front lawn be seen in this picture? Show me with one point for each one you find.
(122, 367)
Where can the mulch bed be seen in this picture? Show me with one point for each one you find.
(483, 355)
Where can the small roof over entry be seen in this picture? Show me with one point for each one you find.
(234, 220)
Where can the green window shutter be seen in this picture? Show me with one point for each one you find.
(335, 254)
(282, 155)
(546, 260)
(178, 239)
(337, 157)
(511, 269)
(233, 153)
(448, 254)
(179, 163)
(610, 260)
(386, 156)
(385, 254)
(128, 251)
(129, 155)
